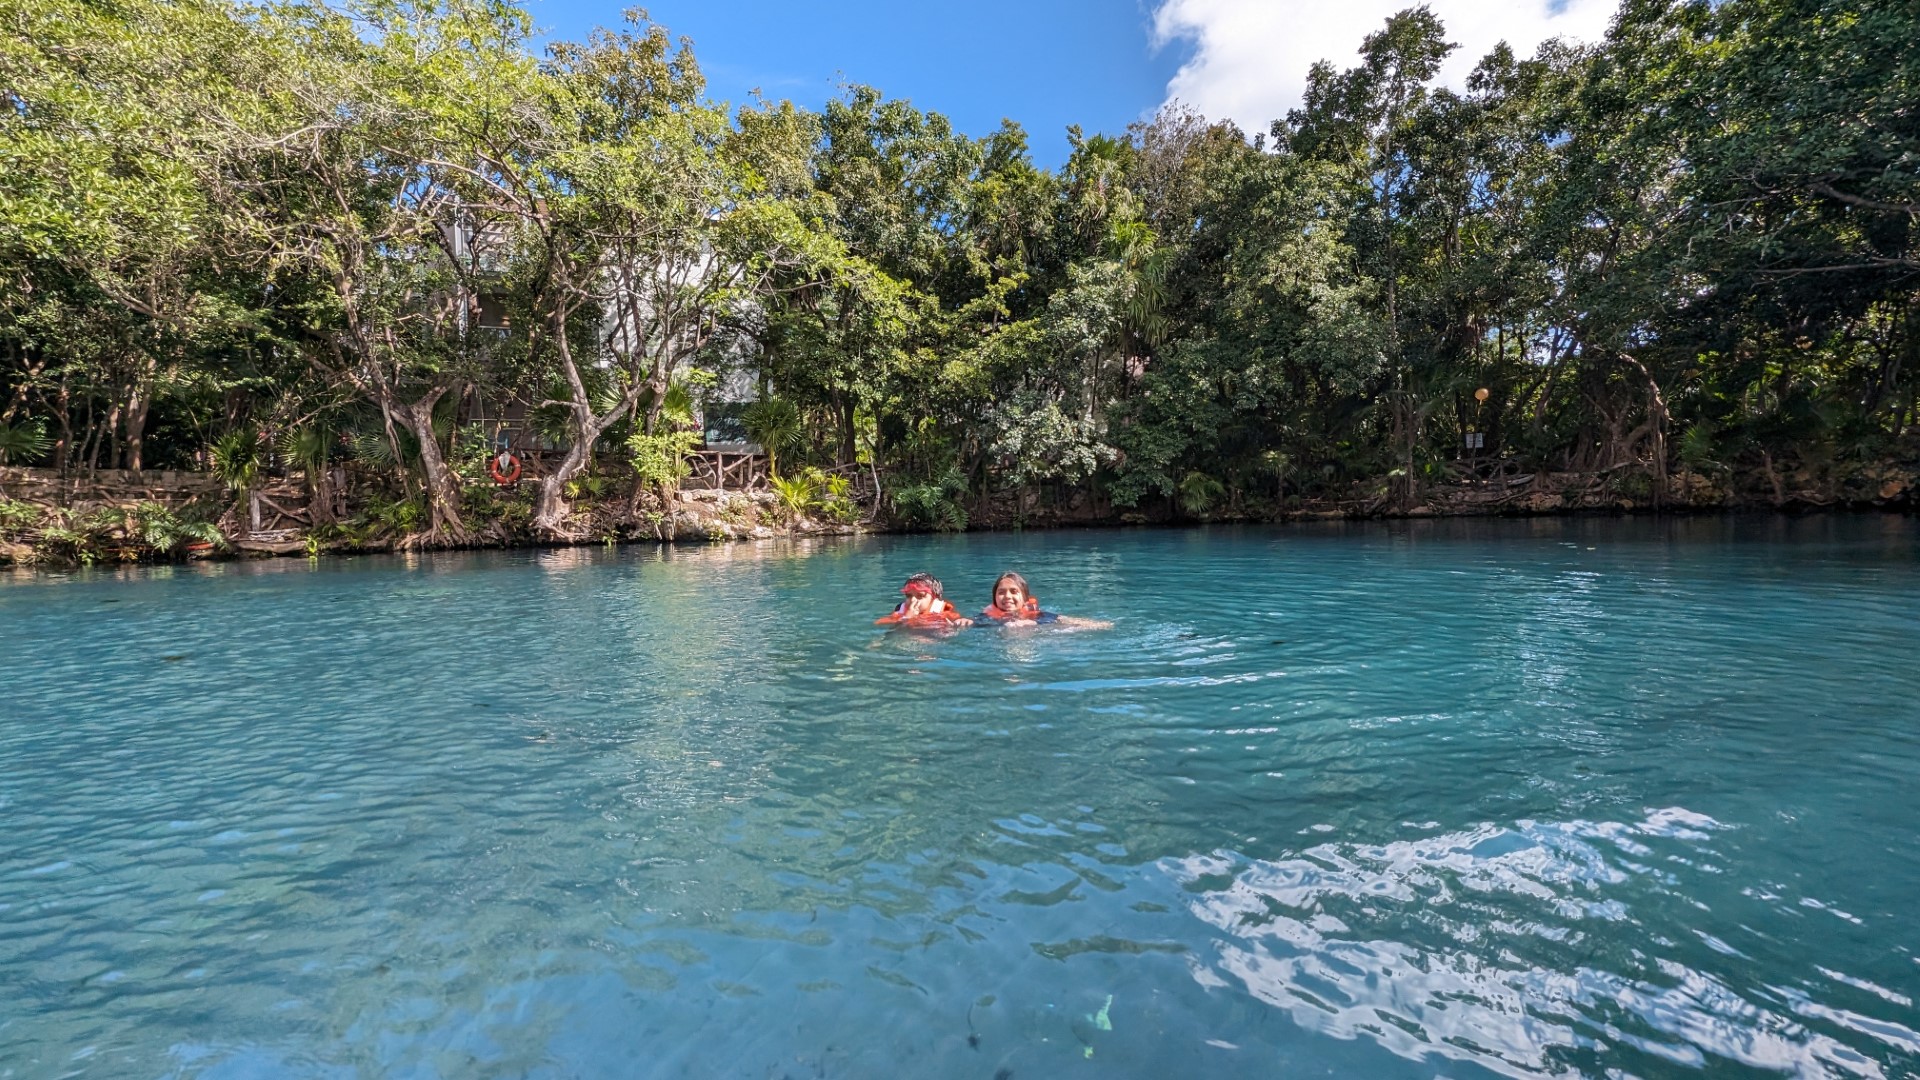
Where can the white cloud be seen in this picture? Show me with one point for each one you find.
(1251, 56)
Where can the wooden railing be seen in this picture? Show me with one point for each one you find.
(728, 470)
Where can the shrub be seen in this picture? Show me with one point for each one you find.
(796, 493)
(1698, 449)
(66, 536)
(78, 536)
(1631, 484)
(586, 487)
(660, 460)
(17, 517)
(1200, 493)
(508, 510)
(836, 500)
(385, 517)
(934, 504)
(168, 533)
(471, 455)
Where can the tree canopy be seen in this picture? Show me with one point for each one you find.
(1687, 250)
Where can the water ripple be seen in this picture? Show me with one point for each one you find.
(1575, 798)
(1327, 936)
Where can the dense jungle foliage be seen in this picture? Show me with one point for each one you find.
(238, 236)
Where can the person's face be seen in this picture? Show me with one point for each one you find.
(919, 603)
(1008, 597)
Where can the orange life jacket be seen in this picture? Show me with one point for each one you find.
(1028, 610)
(942, 614)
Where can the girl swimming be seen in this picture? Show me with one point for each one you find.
(1014, 605)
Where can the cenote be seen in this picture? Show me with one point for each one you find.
(1587, 797)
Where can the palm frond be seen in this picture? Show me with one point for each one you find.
(307, 448)
(236, 459)
(23, 443)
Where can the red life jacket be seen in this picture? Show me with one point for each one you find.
(942, 614)
(1028, 610)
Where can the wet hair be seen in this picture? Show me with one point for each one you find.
(931, 582)
(1026, 594)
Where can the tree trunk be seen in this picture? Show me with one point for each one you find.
(873, 466)
(137, 406)
(320, 495)
(551, 508)
(1773, 477)
(1406, 434)
(139, 402)
(110, 436)
(444, 525)
(29, 371)
(633, 499)
(657, 394)
(843, 413)
(63, 449)
(90, 443)
(1657, 416)
(393, 442)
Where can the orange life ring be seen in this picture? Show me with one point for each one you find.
(504, 468)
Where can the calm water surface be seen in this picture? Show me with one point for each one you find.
(1594, 798)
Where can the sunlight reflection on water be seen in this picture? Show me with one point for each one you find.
(1499, 1008)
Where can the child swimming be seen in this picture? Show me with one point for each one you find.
(1014, 605)
(925, 607)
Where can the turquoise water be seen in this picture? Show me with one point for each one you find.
(1604, 798)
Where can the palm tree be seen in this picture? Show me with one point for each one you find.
(774, 423)
(308, 448)
(236, 461)
(1199, 493)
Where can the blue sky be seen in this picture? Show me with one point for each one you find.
(1044, 63)
(1048, 63)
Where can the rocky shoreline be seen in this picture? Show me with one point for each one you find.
(719, 516)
